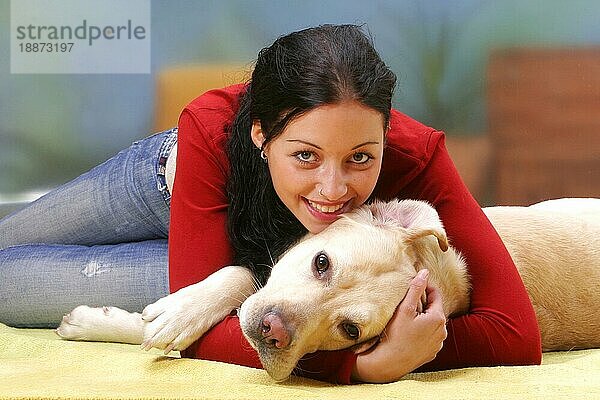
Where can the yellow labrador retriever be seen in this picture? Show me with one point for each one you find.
(339, 288)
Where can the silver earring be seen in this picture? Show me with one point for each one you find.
(263, 155)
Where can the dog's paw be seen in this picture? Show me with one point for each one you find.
(176, 321)
(179, 319)
(101, 324)
(169, 324)
(82, 323)
(152, 311)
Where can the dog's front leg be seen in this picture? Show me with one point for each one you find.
(179, 319)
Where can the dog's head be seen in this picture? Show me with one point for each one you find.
(339, 288)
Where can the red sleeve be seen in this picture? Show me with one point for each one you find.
(198, 244)
(501, 326)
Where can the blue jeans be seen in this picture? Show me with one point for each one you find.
(100, 239)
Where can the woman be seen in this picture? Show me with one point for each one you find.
(311, 136)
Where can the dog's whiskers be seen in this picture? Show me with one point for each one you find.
(270, 255)
(269, 266)
(300, 371)
(237, 299)
(246, 345)
(256, 283)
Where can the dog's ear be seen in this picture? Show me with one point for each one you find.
(418, 218)
(440, 235)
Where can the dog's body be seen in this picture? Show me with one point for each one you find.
(562, 276)
(371, 255)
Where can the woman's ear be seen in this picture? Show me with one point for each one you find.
(257, 134)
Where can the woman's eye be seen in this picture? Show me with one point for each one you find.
(351, 330)
(305, 156)
(321, 263)
(360, 158)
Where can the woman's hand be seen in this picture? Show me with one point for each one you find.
(410, 339)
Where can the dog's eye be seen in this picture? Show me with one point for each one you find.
(321, 263)
(351, 330)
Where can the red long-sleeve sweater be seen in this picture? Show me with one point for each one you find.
(500, 328)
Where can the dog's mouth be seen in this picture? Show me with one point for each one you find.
(268, 329)
(278, 361)
(279, 364)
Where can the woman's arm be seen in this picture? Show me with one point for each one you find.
(501, 327)
(198, 243)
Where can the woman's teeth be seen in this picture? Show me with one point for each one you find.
(325, 209)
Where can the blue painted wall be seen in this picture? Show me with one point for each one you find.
(53, 127)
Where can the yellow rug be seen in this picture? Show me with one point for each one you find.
(37, 364)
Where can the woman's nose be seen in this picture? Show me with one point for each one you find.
(333, 185)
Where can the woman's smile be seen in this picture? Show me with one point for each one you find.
(327, 212)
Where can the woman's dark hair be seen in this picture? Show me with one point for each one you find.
(297, 73)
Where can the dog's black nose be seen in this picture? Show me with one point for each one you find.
(274, 331)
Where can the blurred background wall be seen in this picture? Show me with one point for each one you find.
(54, 127)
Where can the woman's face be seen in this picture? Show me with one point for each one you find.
(326, 162)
